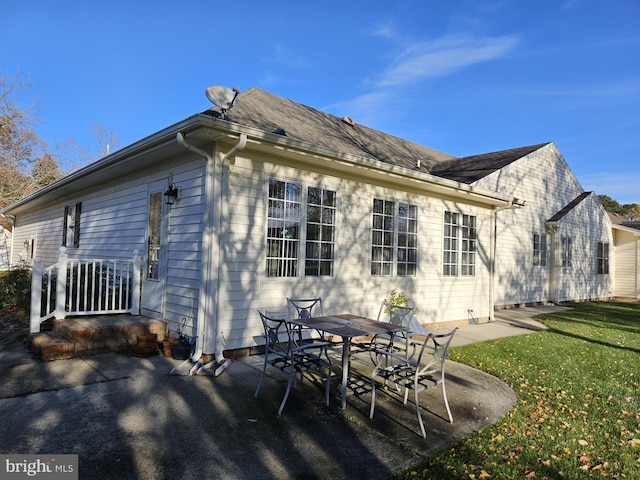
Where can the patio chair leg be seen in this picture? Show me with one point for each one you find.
(286, 394)
(373, 398)
(419, 413)
(264, 370)
(446, 402)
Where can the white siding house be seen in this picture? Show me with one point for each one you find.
(277, 200)
(550, 214)
(626, 245)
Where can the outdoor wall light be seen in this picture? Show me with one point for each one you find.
(171, 195)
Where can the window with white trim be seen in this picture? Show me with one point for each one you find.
(153, 240)
(394, 238)
(566, 254)
(295, 218)
(460, 245)
(71, 227)
(603, 258)
(539, 250)
(468, 250)
(320, 233)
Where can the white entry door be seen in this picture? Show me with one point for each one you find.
(155, 260)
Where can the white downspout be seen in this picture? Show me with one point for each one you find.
(220, 264)
(493, 249)
(206, 302)
(551, 229)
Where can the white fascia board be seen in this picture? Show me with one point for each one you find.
(634, 231)
(202, 129)
(135, 156)
(366, 167)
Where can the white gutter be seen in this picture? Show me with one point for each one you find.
(212, 267)
(308, 153)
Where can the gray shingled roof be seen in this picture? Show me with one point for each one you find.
(473, 168)
(635, 224)
(570, 206)
(623, 221)
(272, 113)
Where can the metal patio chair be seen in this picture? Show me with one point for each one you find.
(410, 374)
(284, 352)
(397, 342)
(305, 308)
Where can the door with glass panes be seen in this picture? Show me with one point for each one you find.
(155, 258)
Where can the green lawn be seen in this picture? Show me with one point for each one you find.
(578, 409)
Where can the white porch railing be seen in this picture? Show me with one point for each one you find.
(84, 287)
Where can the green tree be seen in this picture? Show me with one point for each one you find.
(609, 204)
(630, 211)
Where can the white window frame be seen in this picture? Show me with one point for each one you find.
(566, 253)
(460, 244)
(469, 248)
(289, 220)
(603, 258)
(320, 232)
(394, 238)
(71, 225)
(539, 249)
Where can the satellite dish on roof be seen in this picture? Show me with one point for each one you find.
(223, 97)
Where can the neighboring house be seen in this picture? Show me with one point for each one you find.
(626, 246)
(276, 199)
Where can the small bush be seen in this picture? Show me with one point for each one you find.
(15, 290)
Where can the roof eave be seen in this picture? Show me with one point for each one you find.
(635, 232)
(203, 129)
(111, 166)
(310, 154)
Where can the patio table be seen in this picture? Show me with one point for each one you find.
(347, 326)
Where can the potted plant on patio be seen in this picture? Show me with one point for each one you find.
(398, 297)
(167, 345)
(182, 349)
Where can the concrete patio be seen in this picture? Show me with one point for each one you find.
(126, 417)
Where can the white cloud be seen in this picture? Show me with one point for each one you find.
(446, 55)
(622, 187)
(419, 62)
(384, 30)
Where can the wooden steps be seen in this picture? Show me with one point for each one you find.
(82, 336)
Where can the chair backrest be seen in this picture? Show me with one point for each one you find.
(277, 335)
(304, 307)
(436, 344)
(395, 314)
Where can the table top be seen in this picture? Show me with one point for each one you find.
(347, 325)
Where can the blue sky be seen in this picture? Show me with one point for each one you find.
(463, 77)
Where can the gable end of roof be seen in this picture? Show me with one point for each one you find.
(473, 168)
(567, 208)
